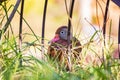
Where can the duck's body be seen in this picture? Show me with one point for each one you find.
(58, 46)
(58, 49)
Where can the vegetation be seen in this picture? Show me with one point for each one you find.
(16, 65)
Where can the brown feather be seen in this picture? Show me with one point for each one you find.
(58, 49)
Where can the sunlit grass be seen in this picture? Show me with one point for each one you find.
(38, 69)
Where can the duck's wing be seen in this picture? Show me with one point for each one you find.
(76, 46)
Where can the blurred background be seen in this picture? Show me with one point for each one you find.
(85, 13)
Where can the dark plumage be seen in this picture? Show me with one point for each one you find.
(58, 45)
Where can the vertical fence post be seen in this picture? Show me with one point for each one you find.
(20, 31)
(117, 2)
(68, 34)
(104, 23)
(43, 26)
(10, 18)
(119, 38)
(105, 19)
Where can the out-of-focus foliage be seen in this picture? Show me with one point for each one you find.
(2, 1)
(34, 6)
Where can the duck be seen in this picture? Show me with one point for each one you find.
(58, 48)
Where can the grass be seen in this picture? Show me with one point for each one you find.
(33, 68)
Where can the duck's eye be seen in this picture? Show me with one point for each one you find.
(62, 32)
